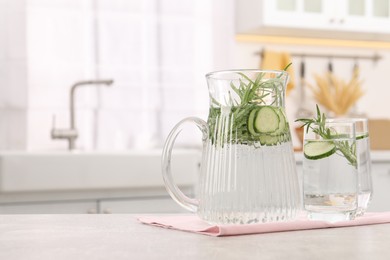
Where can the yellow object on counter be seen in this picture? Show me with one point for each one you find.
(273, 60)
(335, 94)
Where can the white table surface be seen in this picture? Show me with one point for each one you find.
(122, 237)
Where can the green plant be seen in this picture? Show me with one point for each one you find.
(318, 126)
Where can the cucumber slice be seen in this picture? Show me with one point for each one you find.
(318, 149)
(266, 120)
(282, 128)
(269, 125)
(269, 140)
(251, 119)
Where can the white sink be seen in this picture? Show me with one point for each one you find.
(44, 171)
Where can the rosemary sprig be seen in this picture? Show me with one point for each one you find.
(254, 92)
(244, 95)
(318, 126)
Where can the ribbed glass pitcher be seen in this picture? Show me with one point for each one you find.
(248, 172)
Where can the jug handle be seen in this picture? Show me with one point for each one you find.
(173, 190)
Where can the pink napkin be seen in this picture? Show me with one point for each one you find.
(193, 223)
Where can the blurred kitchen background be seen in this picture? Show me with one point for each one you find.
(157, 53)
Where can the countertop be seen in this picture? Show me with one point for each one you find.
(122, 237)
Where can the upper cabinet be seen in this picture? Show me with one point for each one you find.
(324, 18)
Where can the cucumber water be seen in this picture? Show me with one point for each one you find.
(266, 125)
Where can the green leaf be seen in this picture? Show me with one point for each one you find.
(288, 65)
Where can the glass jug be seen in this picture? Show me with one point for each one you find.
(248, 171)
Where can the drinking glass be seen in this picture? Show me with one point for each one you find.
(365, 187)
(330, 171)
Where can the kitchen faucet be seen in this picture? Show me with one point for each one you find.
(71, 133)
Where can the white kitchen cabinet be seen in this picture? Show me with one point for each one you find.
(297, 13)
(163, 204)
(59, 207)
(143, 200)
(140, 205)
(160, 202)
(63, 182)
(365, 15)
(327, 18)
(381, 183)
(63, 171)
